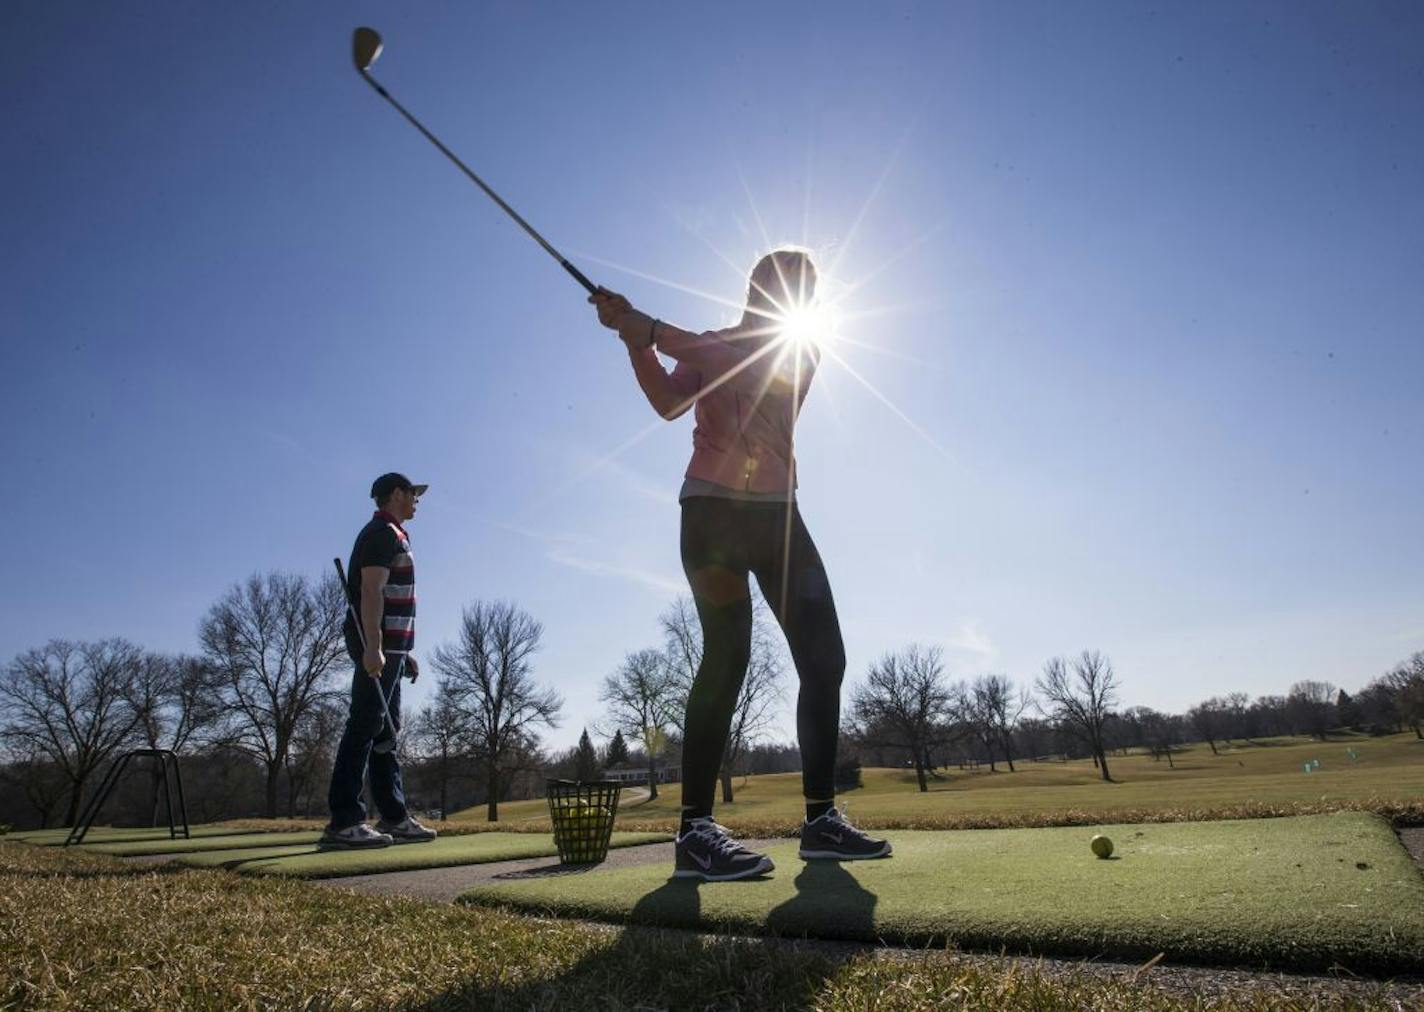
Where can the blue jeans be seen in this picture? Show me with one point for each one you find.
(365, 725)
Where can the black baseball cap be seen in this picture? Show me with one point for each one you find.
(392, 480)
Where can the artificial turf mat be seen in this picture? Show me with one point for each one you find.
(1308, 892)
(239, 841)
(308, 862)
(110, 834)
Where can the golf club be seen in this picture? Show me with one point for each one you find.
(381, 744)
(365, 48)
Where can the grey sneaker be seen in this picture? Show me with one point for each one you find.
(707, 851)
(408, 830)
(831, 837)
(357, 837)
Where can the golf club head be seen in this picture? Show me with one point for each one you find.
(365, 47)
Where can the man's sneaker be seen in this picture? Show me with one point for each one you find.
(831, 837)
(707, 851)
(353, 838)
(408, 830)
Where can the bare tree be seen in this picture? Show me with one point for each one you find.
(274, 644)
(490, 671)
(1407, 682)
(682, 636)
(313, 751)
(175, 699)
(29, 772)
(1160, 731)
(1237, 705)
(1083, 699)
(992, 710)
(904, 703)
(970, 716)
(1267, 716)
(641, 698)
(439, 738)
(1310, 705)
(65, 702)
(1376, 703)
(1208, 718)
(761, 691)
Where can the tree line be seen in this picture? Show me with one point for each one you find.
(907, 712)
(258, 708)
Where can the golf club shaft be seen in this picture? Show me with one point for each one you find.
(563, 262)
(361, 635)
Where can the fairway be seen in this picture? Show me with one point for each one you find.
(1245, 779)
(1307, 892)
(306, 861)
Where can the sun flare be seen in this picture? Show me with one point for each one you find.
(811, 323)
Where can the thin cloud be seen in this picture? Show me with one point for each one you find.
(597, 567)
(970, 638)
(661, 492)
(573, 552)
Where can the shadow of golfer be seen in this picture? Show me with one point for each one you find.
(652, 964)
(829, 904)
(677, 903)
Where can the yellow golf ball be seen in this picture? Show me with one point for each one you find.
(1101, 845)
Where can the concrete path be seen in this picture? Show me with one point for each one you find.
(1413, 840)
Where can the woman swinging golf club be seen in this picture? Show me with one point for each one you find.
(739, 517)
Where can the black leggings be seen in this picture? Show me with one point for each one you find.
(722, 541)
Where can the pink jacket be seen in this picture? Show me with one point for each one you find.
(746, 396)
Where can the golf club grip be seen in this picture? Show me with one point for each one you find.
(578, 276)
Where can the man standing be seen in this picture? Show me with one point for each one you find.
(381, 585)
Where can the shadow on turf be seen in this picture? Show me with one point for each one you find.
(688, 970)
(236, 863)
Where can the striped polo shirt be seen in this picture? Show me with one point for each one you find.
(384, 543)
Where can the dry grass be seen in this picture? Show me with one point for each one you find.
(82, 931)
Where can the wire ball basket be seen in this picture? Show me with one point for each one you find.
(582, 812)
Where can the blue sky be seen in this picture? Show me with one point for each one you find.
(1144, 281)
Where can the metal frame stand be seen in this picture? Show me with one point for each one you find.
(111, 780)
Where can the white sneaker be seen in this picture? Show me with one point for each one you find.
(408, 830)
(354, 837)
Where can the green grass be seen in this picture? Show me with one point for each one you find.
(306, 861)
(81, 931)
(1308, 892)
(1244, 781)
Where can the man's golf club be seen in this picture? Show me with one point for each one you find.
(388, 744)
(365, 48)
